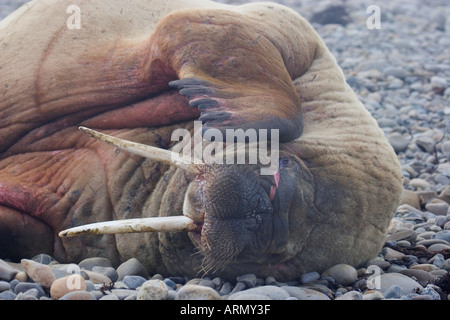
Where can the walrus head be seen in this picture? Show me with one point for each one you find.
(232, 212)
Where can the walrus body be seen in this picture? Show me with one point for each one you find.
(139, 70)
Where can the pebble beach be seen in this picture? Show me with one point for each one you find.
(400, 70)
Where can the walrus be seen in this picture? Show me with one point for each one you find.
(133, 72)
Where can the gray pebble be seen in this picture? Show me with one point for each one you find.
(197, 292)
(429, 290)
(393, 292)
(7, 295)
(271, 292)
(248, 279)
(25, 286)
(110, 272)
(153, 290)
(7, 272)
(4, 286)
(305, 293)
(109, 297)
(172, 285)
(351, 295)
(133, 282)
(132, 267)
(309, 277)
(443, 235)
(89, 263)
(122, 293)
(342, 273)
(407, 284)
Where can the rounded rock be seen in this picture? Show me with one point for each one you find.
(407, 284)
(272, 292)
(132, 267)
(351, 295)
(393, 292)
(78, 295)
(68, 284)
(305, 293)
(153, 290)
(248, 279)
(7, 272)
(89, 263)
(25, 286)
(309, 277)
(343, 274)
(197, 292)
(437, 247)
(133, 282)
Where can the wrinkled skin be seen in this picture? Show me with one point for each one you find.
(139, 70)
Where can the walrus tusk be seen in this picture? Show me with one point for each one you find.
(154, 224)
(162, 155)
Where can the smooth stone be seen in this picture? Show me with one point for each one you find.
(68, 284)
(443, 235)
(248, 279)
(97, 278)
(351, 295)
(342, 273)
(7, 295)
(272, 292)
(25, 286)
(400, 144)
(134, 282)
(309, 277)
(431, 242)
(425, 267)
(252, 296)
(39, 273)
(132, 267)
(446, 265)
(78, 295)
(391, 254)
(7, 272)
(89, 263)
(402, 234)
(43, 258)
(26, 296)
(373, 295)
(207, 283)
(109, 297)
(437, 247)
(440, 208)
(110, 272)
(407, 284)
(21, 276)
(4, 286)
(423, 277)
(122, 293)
(419, 184)
(170, 283)
(153, 290)
(445, 194)
(197, 292)
(305, 293)
(430, 290)
(393, 292)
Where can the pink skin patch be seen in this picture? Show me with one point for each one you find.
(273, 189)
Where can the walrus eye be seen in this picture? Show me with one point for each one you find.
(285, 162)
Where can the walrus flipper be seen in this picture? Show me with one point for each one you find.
(239, 84)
